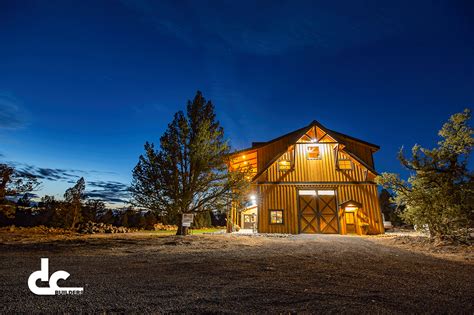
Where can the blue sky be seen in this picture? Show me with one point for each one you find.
(84, 84)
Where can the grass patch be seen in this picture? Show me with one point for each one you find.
(192, 231)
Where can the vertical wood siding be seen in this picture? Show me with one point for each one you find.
(362, 151)
(370, 212)
(284, 197)
(277, 197)
(268, 152)
(277, 190)
(306, 170)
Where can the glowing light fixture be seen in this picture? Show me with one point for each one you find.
(351, 208)
(253, 199)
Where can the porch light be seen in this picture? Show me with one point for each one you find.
(351, 208)
(253, 200)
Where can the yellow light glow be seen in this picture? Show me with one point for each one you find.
(243, 156)
(351, 208)
(246, 162)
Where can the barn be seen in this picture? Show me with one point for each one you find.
(311, 180)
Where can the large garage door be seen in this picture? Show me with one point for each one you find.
(318, 211)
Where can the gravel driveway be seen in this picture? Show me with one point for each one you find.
(145, 273)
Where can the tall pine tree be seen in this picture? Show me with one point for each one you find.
(188, 173)
(439, 193)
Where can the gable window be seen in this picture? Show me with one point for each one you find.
(284, 165)
(312, 152)
(344, 164)
(276, 216)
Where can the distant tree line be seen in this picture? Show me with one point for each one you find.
(74, 209)
(188, 173)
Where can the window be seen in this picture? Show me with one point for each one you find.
(303, 192)
(326, 193)
(344, 164)
(343, 161)
(312, 152)
(284, 165)
(276, 216)
(350, 218)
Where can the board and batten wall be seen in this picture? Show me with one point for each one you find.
(278, 190)
(284, 197)
(321, 170)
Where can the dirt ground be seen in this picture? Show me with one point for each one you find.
(149, 273)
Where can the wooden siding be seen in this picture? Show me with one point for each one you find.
(284, 197)
(321, 170)
(269, 151)
(244, 159)
(276, 197)
(370, 213)
(362, 151)
(277, 189)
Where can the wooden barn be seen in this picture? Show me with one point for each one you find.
(311, 180)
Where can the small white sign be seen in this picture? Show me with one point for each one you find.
(187, 219)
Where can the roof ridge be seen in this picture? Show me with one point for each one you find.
(335, 134)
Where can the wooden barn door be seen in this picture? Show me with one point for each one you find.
(318, 212)
(350, 223)
(308, 214)
(327, 210)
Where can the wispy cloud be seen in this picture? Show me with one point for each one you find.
(52, 174)
(12, 115)
(109, 191)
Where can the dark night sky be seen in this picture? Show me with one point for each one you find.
(84, 84)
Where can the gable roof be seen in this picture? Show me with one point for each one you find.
(339, 135)
(257, 145)
(297, 134)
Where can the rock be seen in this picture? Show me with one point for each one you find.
(93, 228)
